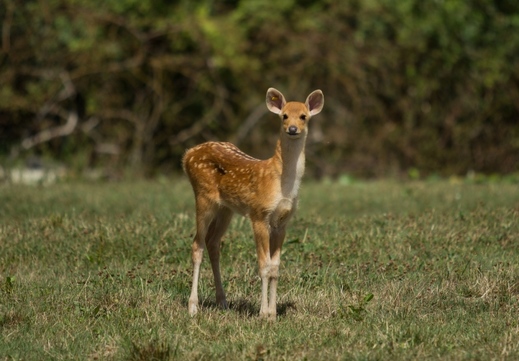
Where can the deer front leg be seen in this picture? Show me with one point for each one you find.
(262, 239)
(277, 236)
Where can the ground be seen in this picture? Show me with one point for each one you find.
(370, 270)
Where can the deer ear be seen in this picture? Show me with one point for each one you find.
(315, 102)
(275, 100)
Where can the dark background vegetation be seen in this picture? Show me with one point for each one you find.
(129, 84)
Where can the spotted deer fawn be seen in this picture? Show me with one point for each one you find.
(226, 180)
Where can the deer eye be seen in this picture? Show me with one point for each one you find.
(285, 116)
(302, 117)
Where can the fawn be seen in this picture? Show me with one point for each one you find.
(226, 180)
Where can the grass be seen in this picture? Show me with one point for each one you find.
(375, 270)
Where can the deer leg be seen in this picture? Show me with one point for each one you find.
(204, 216)
(277, 236)
(261, 237)
(197, 253)
(213, 240)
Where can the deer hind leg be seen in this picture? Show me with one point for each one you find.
(213, 240)
(205, 213)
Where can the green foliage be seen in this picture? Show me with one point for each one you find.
(8, 285)
(425, 85)
(153, 351)
(356, 311)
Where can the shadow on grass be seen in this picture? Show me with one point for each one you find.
(247, 308)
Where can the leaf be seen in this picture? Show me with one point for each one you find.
(9, 284)
(368, 298)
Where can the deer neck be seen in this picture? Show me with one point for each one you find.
(290, 155)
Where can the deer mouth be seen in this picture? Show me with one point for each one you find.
(292, 135)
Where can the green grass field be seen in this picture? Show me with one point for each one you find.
(370, 271)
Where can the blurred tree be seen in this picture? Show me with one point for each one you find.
(126, 84)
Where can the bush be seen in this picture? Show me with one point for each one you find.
(409, 84)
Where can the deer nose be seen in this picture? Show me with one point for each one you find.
(292, 130)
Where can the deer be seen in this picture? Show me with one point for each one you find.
(226, 180)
